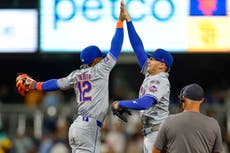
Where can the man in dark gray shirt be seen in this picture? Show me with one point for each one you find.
(189, 131)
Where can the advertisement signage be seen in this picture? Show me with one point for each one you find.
(71, 25)
(18, 31)
(178, 26)
(209, 26)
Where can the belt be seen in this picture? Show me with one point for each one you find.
(146, 131)
(87, 118)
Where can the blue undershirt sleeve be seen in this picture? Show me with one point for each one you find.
(137, 44)
(50, 85)
(138, 104)
(117, 42)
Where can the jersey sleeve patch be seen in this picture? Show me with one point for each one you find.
(106, 59)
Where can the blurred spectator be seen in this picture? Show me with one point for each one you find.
(47, 136)
(53, 98)
(5, 142)
(60, 138)
(104, 132)
(59, 147)
(23, 144)
(115, 138)
(54, 138)
(46, 142)
(134, 144)
(134, 137)
(106, 149)
(33, 98)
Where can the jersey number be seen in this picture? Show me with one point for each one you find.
(84, 89)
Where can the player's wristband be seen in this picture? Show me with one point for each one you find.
(119, 24)
(38, 86)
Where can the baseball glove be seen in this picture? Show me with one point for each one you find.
(24, 83)
(122, 113)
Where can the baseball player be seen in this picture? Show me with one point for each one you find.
(90, 84)
(154, 92)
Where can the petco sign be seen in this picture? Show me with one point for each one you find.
(71, 25)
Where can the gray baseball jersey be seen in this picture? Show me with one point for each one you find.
(91, 88)
(158, 87)
(189, 132)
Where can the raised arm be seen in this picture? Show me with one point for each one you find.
(118, 37)
(135, 40)
(117, 40)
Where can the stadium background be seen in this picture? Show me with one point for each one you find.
(41, 119)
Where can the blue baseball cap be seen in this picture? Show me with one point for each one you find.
(162, 56)
(89, 53)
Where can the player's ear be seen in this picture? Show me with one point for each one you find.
(182, 100)
(181, 95)
(182, 105)
(163, 66)
(202, 100)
